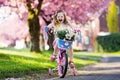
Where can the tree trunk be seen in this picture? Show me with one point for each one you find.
(34, 29)
(34, 26)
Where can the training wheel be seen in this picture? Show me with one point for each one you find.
(74, 72)
(50, 72)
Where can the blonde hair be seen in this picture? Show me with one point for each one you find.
(55, 21)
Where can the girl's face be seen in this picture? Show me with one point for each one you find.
(60, 17)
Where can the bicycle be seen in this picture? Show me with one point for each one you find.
(62, 58)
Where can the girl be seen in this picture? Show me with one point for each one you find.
(60, 19)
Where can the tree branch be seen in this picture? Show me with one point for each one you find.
(39, 6)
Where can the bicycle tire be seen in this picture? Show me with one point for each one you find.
(64, 68)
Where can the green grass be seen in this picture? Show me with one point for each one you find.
(113, 53)
(16, 63)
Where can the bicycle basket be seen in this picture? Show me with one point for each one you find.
(64, 44)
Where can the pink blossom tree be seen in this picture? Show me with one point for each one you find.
(76, 9)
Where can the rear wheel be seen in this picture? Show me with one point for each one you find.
(63, 65)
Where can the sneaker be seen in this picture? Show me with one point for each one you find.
(71, 64)
(53, 58)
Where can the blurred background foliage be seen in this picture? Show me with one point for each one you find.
(112, 17)
(108, 43)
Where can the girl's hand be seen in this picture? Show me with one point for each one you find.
(77, 30)
(51, 29)
(48, 29)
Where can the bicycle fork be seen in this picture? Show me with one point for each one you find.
(61, 56)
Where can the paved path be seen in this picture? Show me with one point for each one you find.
(107, 69)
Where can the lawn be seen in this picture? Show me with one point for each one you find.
(16, 63)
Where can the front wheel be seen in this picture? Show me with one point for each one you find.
(62, 65)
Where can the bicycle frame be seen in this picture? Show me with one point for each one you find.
(62, 58)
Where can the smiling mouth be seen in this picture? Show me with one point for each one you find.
(60, 20)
